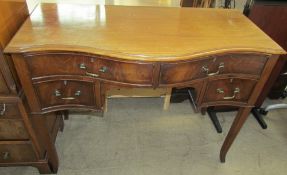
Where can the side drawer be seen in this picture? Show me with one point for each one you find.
(230, 89)
(9, 111)
(13, 129)
(18, 152)
(126, 72)
(65, 92)
(58, 64)
(249, 64)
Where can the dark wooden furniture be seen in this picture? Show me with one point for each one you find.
(271, 17)
(63, 65)
(24, 139)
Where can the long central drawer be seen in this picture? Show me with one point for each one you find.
(48, 65)
(179, 72)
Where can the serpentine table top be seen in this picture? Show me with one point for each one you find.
(140, 33)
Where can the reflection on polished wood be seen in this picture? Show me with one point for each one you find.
(161, 3)
(127, 32)
(11, 9)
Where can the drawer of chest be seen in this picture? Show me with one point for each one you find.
(229, 89)
(18, 152)
(249, 64)
(13, 129)
(64, 92)
(9, 111)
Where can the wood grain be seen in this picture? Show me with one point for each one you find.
(140, 33)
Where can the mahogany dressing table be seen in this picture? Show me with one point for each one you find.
(69, 56)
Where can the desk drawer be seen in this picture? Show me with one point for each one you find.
(74, 64)
(9, 111)
(126, 72)
(230, 89)
(13, 129)
(58, 93)
(58, 64)
(18, 152)
(211, 66)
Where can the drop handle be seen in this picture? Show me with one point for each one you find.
(3, 110)
(221, 91)
(206, 70)
(57, 93)
(84, 67)
(5, 155)
(103, 69)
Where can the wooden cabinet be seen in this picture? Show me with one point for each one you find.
(271, 17)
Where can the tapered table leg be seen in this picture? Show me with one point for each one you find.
(234, 130)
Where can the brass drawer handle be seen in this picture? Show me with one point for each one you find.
(221, 91)
(206, 70)
(3, 110)
(92, 74)
(57, 93)
(68, 98)
(103, 69)
(5, 155)
(83, 66)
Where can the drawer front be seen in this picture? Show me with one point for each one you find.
(9, 111)
(10, 153)
(73, 64)
(13, 129)
(58, 64)
(182, 71)
(57, 93)
(231, 89)
(136, 73)
(250, 64)
(216, 65)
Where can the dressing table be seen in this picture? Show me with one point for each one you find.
(69, 56)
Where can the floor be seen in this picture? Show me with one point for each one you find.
(136, 137)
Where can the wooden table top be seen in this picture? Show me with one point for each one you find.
(140, 33)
